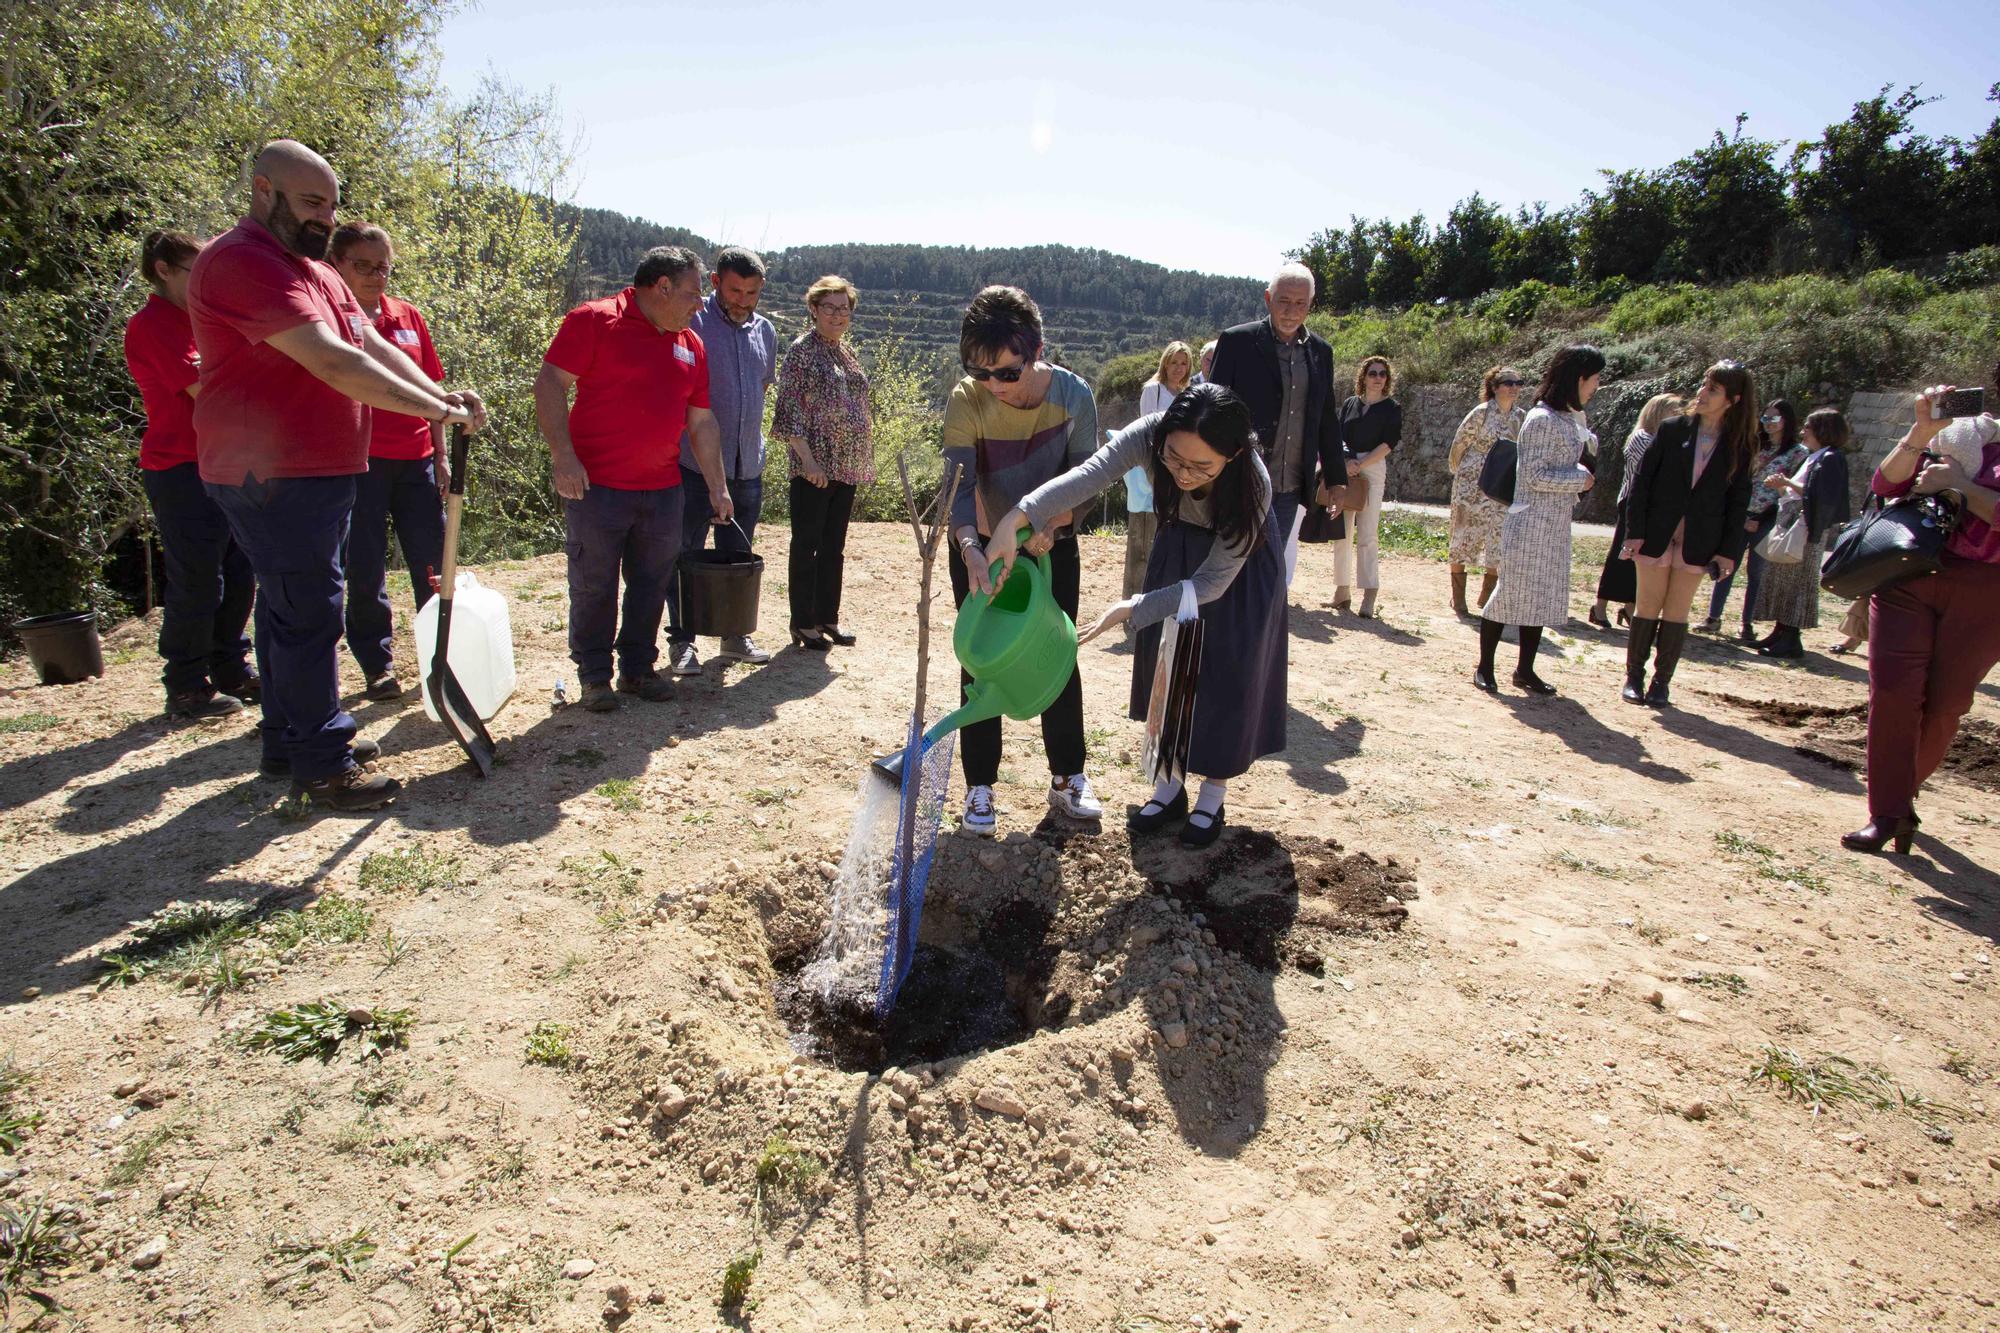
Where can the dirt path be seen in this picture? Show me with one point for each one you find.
(1460, 1014)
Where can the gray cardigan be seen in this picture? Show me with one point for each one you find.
(1130, 448)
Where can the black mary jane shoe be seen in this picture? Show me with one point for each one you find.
(1201, 835)
(1141, 822)
(1533, 683)
(1879, 832)
(812, 643)
(1483, 679)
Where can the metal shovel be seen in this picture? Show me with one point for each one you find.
(446, 694)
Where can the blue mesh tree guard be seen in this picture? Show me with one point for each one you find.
(919, 812)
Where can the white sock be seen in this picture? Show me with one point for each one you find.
(1292, 546)
(1209, 802)
(1164, 794)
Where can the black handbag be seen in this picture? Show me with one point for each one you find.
(1496, 474)
(1890, 543)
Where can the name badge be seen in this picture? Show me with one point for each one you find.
(683, 355)
(406, 337)
(356, 325)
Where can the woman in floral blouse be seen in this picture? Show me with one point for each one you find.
(1475, 515)
(822, 419)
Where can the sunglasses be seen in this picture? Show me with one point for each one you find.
(1376, 373)
(1771, 419)
(1509, 384)
(1005, 374)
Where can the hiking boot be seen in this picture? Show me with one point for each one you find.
(203, 705)
(349, 791)
(278, 766)
(598, 698)
(682, 659)
(385, 688)
(977, 818)
(249, 688)
(1072, 796)
(652, 687)
(738, 648)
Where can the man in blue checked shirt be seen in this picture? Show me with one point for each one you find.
(742, 364)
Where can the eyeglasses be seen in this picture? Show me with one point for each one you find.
(1180, 467)
(381, 270)
(1005, 374)
(829, 308)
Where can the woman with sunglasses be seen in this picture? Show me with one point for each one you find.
(407, 472)
(1779, 451)
(1475, 515)
(1012, 423)
(1533, 589)
(1817, 492)
(1686, 517)
(1217, 532)
(1371, 424)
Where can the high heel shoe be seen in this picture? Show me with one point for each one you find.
(812, 643)
(1597, 617)
(1625, 615)
(837, 635)
(1878, 832)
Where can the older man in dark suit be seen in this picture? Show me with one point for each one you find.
(1284, 373)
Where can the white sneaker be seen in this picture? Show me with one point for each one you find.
(740, 649)
(977, 817)
(683, 660)
(1073, 797)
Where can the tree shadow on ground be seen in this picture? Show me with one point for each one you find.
(1577, 728)
(1963, 893)
(569, 751)
(35, 775)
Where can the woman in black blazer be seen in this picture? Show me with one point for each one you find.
(1684, 517)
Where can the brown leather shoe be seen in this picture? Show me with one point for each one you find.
(349, 792)
(652, 687)
(598, 698)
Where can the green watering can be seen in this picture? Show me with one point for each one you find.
(1018, 646)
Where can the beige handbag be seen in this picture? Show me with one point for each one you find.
(1356, 497)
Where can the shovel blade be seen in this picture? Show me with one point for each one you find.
(453, 708)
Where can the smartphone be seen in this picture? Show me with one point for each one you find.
(1960, 403)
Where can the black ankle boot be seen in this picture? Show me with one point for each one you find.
(1638, 648)
(1667, 655)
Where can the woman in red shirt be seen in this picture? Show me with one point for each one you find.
(407, 471)
(1932, 639)
(209, 583)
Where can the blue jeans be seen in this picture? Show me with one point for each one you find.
(405, 490)
(293, 530)
(638, 534)
(747, 494)
(206, 606)
(1753, 573)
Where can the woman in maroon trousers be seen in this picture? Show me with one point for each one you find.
(1932, 639)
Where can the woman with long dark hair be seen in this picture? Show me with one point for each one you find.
(1618, 582)
(1213, 496)
(1685, 517)
(1789, 594)
(1533, 590)
(1778, 450)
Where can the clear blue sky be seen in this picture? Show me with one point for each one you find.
(1211, 137)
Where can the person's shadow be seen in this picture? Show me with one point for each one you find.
(1579, 729)
(1966, 894)
(1322, 626)
(1313, 751)
(1724, 738)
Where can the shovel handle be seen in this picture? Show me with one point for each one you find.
(454, 505)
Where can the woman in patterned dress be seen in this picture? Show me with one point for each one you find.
(1475, 515)
(1789, 594)
(1533, 590)
(822, 417)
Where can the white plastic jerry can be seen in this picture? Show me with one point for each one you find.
(481, 651)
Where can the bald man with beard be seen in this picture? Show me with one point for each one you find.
(290, 366)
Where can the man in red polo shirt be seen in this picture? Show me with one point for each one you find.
(209, 585)
(407, 468)
(641, 378)
(289, 368)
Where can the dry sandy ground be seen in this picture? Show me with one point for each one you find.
(1463, 1010)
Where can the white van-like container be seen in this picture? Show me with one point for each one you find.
(482, 647)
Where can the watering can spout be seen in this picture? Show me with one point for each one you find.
(981, 703)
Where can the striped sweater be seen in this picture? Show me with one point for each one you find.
(1007, 452)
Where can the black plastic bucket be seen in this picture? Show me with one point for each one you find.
(718, 591)
(64, 647)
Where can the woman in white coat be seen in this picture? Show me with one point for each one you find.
(1533, 591)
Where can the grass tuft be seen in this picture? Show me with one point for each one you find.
(548, 1045)
(346, 1256)
(415, 870)
(737, 1276)
(1633, 1244)
(15, 1119)
(1767, 865)
(623, 793)
(318, 1029)
(138, 1155)
(1832, 1079)
(33, 1243)
(26, 722)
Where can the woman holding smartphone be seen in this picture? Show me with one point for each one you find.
(1686, 516)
